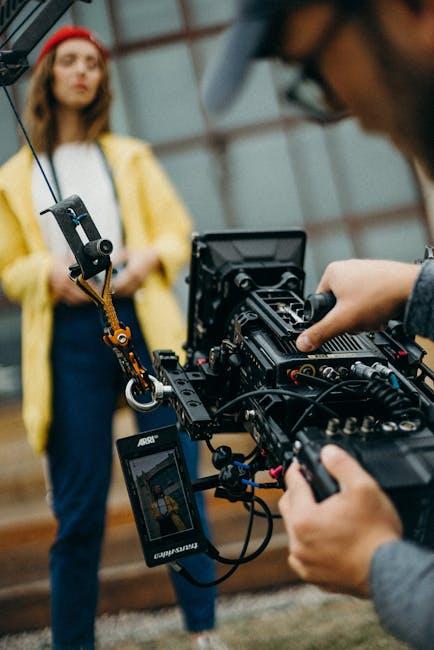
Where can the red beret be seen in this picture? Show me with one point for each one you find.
(67, 32)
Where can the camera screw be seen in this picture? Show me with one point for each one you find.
(389, 427)
(327, 372)
(333, 427)
(407, 426)
(222, 456)
(368, 424)
(297, 446)
(350, 426)
(122, 338)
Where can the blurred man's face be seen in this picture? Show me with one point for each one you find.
(380, 65)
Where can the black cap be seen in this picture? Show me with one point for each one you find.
(248, 38)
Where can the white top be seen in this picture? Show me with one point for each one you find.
(162, 507)
(80, 170)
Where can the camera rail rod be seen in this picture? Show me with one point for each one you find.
(13, 60)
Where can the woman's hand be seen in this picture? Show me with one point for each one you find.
(63, 289)
(139, 263)
(368, 294)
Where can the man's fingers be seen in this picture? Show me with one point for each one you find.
(332, 324)
(343, 467)
(299, 493)
(323, 285)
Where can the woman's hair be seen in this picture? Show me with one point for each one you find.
(40, 109)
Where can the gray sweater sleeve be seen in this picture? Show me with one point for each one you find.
(402, 584)
(419, 313)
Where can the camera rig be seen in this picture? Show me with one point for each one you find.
(369, 393)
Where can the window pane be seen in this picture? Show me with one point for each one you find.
(94, 16)
(403, 241)
(373, 174)
(138, 19)
(195, 174)
(9, 131)
(207, 12)
(315, 181)
(329, 247)
(257, 100)
(162, 93)
(312, 271)
(119, 113)
(264, 192)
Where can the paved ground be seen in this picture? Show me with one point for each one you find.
(297, 618)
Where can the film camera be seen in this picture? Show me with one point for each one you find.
(368, 393)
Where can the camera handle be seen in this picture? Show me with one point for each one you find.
(317, 305)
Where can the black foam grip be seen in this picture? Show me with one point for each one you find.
(317, 305)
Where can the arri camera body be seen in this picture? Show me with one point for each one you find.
(368, 393)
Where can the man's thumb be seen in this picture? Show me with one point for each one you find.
(341, 465)
(317, 334)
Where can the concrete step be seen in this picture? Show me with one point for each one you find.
(126, 582)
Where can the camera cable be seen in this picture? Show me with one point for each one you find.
(258, 513)
(273, 391)
(235, 562)
(176, 566)
(317, 401)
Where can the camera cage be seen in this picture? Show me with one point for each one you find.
(225, 265)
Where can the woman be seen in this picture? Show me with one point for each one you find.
(165, 511)
(71, 380)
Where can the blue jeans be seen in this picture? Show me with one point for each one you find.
(86, 384)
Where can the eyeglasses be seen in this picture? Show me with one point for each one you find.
(309, 90)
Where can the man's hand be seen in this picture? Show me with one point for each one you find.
(368, 294)
(139, 264)
(331, 544)
(63, 289)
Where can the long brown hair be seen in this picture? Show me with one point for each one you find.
(40, 110)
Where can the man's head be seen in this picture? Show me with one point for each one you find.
(373, 57)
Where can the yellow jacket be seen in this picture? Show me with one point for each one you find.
(172, 509)
(151, 213)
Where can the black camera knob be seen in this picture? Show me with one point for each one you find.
(243, 281)
(231, 477)
(222, 456)
(98, 248)
(317, 305)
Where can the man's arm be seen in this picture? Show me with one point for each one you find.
(419, 313)
(402, 587)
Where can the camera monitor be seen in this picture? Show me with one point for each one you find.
(161, 495)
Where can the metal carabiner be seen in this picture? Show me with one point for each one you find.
(159, 393)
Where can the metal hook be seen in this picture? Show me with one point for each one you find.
(159, 393)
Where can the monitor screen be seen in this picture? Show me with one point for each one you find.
(161, 494)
